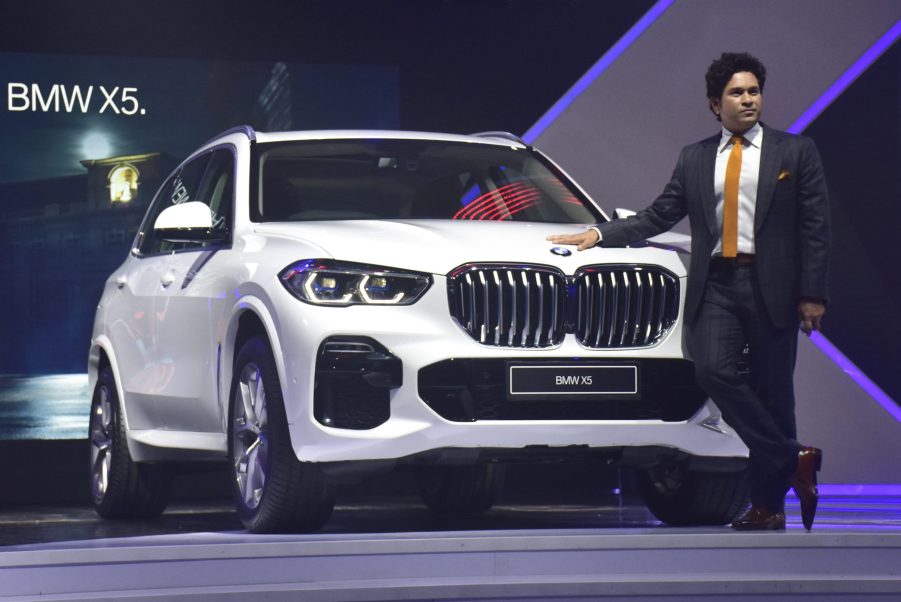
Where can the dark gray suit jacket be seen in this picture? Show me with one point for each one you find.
(791, 224)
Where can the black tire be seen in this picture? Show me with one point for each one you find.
(273, 491)
(460, 489)
(120, 487)
(681, 497)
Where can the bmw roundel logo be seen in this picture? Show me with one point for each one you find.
(561, 251)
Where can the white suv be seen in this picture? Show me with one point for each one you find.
(311, 304)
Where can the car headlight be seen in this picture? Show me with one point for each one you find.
(342, 283)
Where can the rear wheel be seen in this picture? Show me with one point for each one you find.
(682, 497)
(120, 487)
(274, 492)
(460, 489)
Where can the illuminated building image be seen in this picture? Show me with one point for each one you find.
(123, 183)
(61, 237)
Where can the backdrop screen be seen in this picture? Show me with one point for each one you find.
(87, 142)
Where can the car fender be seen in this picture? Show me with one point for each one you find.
(104, 344)
(261, 308)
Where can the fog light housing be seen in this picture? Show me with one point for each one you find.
(354, 378)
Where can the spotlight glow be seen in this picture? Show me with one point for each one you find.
(96, 145)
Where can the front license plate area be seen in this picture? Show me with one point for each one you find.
(572, 381)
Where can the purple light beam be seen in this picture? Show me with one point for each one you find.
(857, 375)
(841, 490)
(595, 71)
(846, 79)
(813, 111)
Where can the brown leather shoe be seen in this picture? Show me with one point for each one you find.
(810, 460)
(759, 518)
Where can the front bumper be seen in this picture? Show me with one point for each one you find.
(408, 421)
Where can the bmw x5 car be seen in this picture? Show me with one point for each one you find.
(306, 305)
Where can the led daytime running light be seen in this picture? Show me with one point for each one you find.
(365, 294)
(311, 293)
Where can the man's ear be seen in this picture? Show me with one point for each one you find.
(715, 107)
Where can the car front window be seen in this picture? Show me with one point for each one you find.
(411, 179)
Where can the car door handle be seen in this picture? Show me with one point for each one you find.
(121, 281)
(167, 279)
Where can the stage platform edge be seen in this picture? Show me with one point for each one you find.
(572, 564)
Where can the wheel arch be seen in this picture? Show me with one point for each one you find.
(98, 358)
(250, 318)
(102, 355)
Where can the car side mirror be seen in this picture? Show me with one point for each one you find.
(620, 213)
(186, 222)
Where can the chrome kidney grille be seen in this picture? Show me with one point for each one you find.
(529, 306)
(509, 306)
(625, 306)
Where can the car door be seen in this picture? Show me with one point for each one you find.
(132, 317)
(189, 310)
(130, 328)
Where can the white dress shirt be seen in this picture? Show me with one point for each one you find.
(747, 185)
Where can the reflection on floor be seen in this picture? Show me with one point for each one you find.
(29, 525)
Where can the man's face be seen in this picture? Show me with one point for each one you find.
(739, 107)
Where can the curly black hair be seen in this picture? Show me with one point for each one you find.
(722, 69)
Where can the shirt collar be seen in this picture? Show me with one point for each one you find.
(754, 136)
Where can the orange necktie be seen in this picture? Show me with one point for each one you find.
(730, 200)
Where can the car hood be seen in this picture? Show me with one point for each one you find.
(438, 246)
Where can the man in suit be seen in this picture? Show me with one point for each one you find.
(758, 209)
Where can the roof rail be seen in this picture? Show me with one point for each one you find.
(499, 134)
(240, 129)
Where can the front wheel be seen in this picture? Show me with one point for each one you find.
(273, 491)
(120, 487)
(681, 497)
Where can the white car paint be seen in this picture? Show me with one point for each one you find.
(171, 345)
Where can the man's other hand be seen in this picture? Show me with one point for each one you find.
(584, 240)
(810, 313)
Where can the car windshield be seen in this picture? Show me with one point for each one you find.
(412, 179)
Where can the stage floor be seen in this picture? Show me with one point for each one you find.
(391, 548)
(398, 514)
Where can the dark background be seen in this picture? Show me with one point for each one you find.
(465, 65)
(471, 65)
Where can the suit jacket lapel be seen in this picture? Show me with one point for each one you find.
(770, 160)
(706, 172)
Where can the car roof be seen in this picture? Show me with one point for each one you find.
(493, 138)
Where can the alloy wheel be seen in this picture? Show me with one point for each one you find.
(101, 442)
(250, 438)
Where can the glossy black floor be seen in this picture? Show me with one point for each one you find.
(44, 524)
(539, 497)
